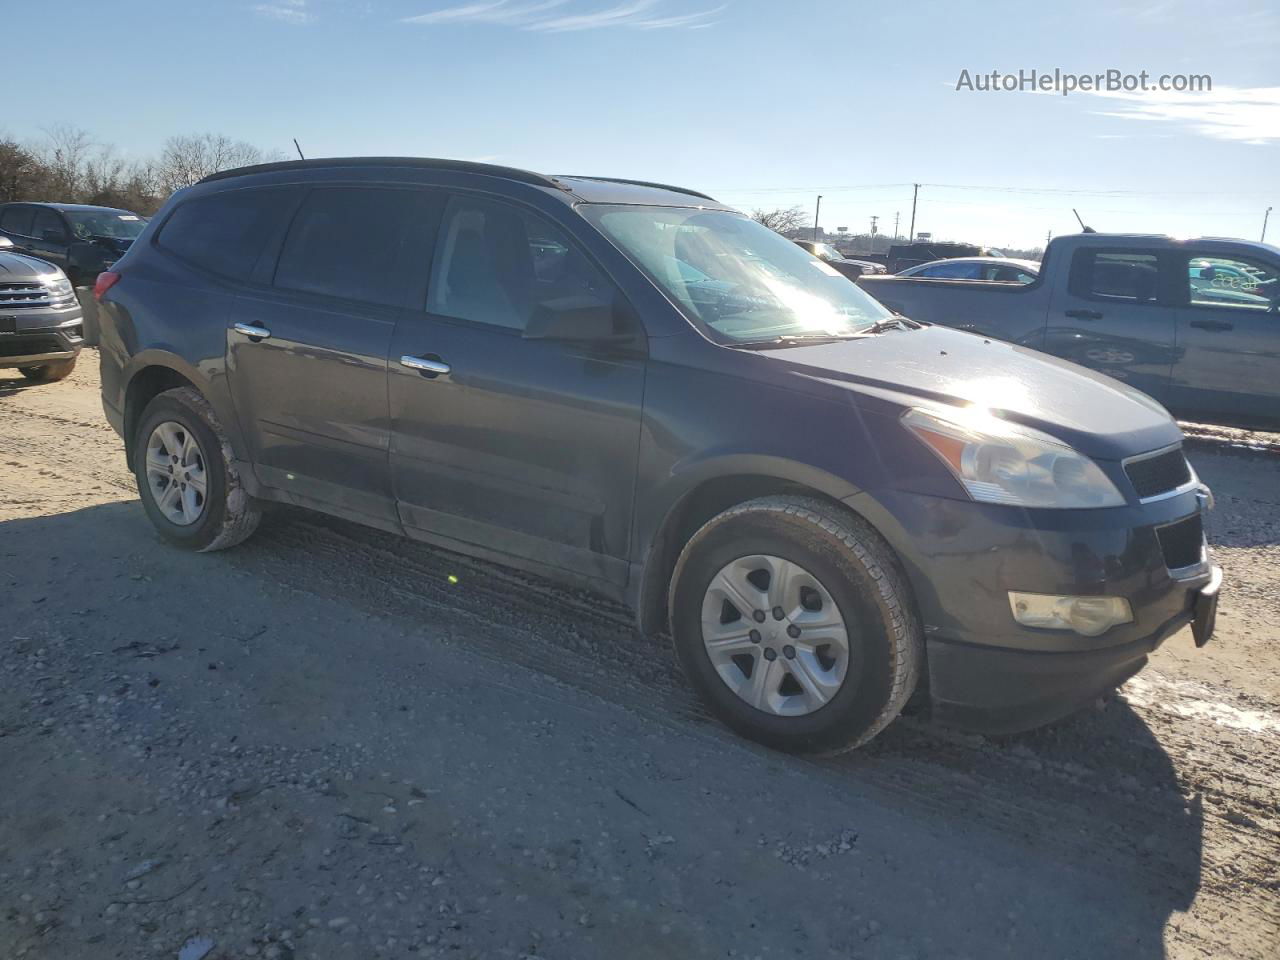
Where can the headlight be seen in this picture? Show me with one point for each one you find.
(60, 288)
(1000, 462)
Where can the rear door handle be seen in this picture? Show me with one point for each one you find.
(252, 331)
(1213, 324)
(1085, 314)
(429, 366)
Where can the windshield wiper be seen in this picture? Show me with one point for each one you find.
(790, 340)
(898, 321)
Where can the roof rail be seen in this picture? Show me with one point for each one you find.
(429, 163)
(645, 183)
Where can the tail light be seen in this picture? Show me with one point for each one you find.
(105, 282)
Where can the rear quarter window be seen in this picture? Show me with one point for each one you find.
(224, 233)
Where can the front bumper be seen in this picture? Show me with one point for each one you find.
(32, 344)
(986, 672)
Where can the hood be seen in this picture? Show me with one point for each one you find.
(15, 267)
(933, 366)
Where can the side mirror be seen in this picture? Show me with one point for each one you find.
(573, 318)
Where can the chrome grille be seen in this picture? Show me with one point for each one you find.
(20, 294)
(1158, 473)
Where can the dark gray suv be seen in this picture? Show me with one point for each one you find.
(631, 387)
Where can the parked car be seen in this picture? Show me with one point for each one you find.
(40, 319)
(1192, 323)
(904, 255)
(635, 389)
(82, 240)
(848, 266)
(996, 269)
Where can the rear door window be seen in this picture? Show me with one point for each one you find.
(1124, 277)
(224, 233)
(48, 226)
(358, 243)
(17, 220)
(952, 271)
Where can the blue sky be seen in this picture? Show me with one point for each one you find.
(759, 103)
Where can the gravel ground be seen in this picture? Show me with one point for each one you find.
(318, 746)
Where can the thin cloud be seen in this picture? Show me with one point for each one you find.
(1241, 114)
(286, 11)
(551, 16)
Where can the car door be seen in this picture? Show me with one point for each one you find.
(1228, 339)
(50, 237)
(524, 448)
(311, 388)
(1115, 314)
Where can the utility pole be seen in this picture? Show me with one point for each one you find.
(915, 193)
(816, 210)
(896, 216)
(1265, 217)
(873, 233)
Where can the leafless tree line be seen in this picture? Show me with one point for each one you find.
(70, 166)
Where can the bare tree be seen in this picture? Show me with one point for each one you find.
(186, 160)
(65, 155)
(20, 171)
(781, 220)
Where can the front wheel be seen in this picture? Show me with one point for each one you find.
(792, 620)
(187, 479)
(49, 372)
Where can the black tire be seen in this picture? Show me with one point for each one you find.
(49, 372)
(861, 573)
(229, 514)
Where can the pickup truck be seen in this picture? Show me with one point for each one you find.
(1193, 323)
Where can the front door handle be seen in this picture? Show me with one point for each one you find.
(1085, 314)
(429, 366)
(1213, 324)
(252, 331)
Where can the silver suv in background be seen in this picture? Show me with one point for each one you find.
(41, 325)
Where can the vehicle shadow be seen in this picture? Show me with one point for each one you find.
(1075, 840)
(1096, 798)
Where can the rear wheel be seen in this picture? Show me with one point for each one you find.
(186, 476)
(793, 622)
(49, 372)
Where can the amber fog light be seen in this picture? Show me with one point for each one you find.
(1087, 616)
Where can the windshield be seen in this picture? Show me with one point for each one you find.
(116, 224)
(826, 251)
(738, 280)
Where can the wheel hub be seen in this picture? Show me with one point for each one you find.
(774, 635)
(175, 471)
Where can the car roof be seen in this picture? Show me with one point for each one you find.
(1023, 264)
(574, 188)
(1218, 242)
(69, 207)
